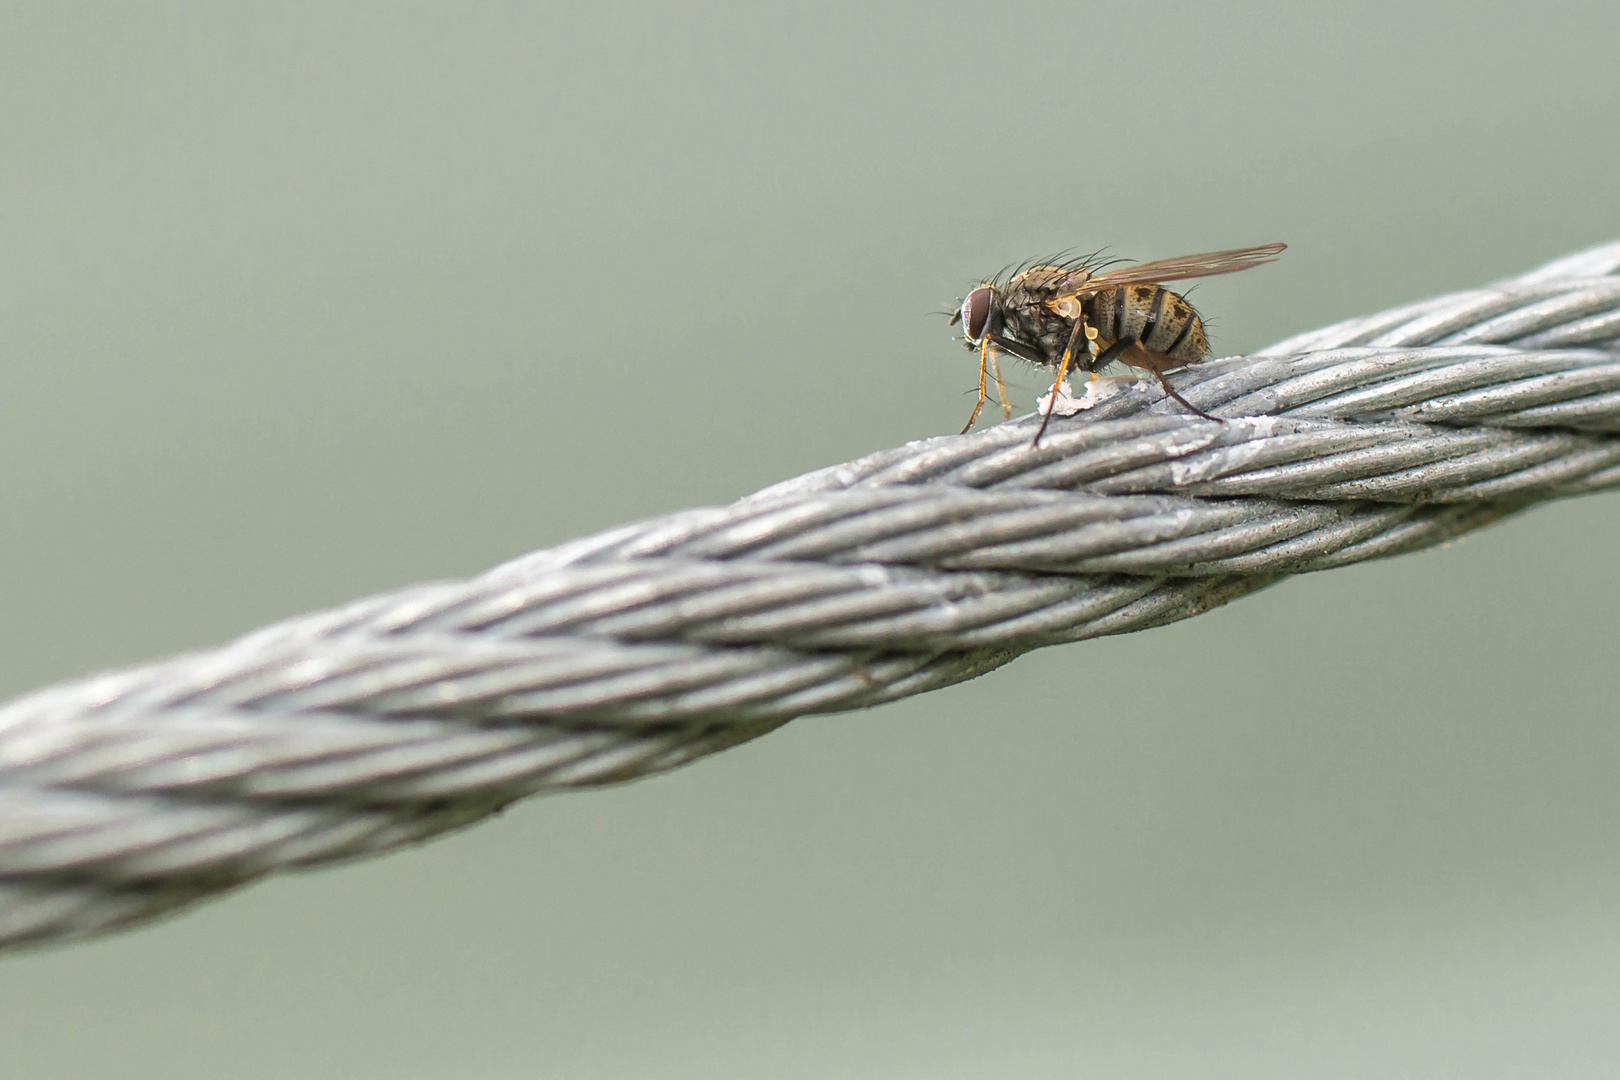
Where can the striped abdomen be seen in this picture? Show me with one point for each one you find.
(1161, 320)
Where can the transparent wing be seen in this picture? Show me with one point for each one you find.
(1177, 269)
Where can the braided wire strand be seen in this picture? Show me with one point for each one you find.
(381, 723)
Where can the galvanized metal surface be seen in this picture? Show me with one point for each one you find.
(359, 730)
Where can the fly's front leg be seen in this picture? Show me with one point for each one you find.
(984, 356)
(1001, 388)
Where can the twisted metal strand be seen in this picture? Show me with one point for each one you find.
(381, 723)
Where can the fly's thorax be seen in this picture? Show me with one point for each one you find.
(1038, 281)
(1027, 319)
(1034, 325)
(1161, 320)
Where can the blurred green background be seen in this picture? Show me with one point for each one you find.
(299, 302)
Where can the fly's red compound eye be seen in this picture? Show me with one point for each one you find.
(976, 314)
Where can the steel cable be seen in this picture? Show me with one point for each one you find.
(399, 717)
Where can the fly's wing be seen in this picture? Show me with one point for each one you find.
(1177, 269)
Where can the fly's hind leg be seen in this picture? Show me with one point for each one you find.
(1168, 389)
(1132, 353)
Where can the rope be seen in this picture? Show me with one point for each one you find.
(399, 717)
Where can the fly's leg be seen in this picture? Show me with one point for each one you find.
(984, 359)
(1110, 354)
(1091, 349)
(1121, 345)
(1001, 388)
(1185, 403)
(1063, 373)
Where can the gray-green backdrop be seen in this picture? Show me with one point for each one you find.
(298, 302)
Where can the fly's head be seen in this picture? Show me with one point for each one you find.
(979, 315)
